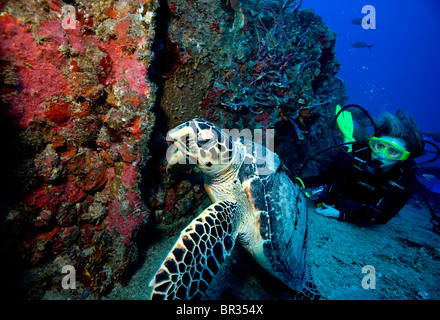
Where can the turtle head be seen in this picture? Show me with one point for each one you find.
(201, 143)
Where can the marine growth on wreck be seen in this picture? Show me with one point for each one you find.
(89, 90)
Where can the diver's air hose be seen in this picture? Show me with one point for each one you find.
(433, 159)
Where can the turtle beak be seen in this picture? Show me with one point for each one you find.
(178, 157)
(180, 151)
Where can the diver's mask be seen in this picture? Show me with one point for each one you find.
(392, 148)
(388, 151)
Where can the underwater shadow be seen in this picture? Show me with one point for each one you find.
(13, 187)
(152, 177)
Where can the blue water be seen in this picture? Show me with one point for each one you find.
(403, 65)
(402, 69)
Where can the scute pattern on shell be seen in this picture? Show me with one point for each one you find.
(282, 215)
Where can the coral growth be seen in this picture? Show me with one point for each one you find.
(247, 65)
(75, 88)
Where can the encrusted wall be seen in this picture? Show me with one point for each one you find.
(76, 109)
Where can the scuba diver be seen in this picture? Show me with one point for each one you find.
(369, 181)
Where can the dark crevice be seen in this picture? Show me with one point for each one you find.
(157, 146)
(151, 175)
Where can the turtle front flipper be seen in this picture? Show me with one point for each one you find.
(197, 255)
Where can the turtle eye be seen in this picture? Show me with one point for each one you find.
(205, 139)
(202, 143)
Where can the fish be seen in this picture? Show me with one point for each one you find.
(361, 44)
(357, 21)
(428, 176)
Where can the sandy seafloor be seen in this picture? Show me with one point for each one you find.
(405, 254)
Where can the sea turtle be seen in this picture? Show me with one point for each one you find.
(254, 202)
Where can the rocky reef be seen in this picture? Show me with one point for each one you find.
(244, 65)
(89, 90)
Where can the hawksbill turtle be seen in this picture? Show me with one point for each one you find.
(254, 203)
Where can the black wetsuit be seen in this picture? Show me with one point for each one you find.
(365, 197)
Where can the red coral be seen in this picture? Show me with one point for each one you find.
(214, 94)
(76, 39)
(129, 153)
(38, 197)
(47, 235)
(87, 234)
(57, 111)
(133, 197)
(124, 225)
(126, 68)
(173, 8)
(134, 128)
(38, 66)
(129, 175)
(263, 119)
(73, 193)
(89, 172)
(121, 31)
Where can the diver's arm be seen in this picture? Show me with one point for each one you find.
(367, 215)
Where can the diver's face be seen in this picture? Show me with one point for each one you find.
(387, 164)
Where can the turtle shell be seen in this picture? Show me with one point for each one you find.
(283, 214)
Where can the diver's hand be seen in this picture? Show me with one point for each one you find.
(328, 211)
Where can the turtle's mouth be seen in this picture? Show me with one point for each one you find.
(182, 150)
